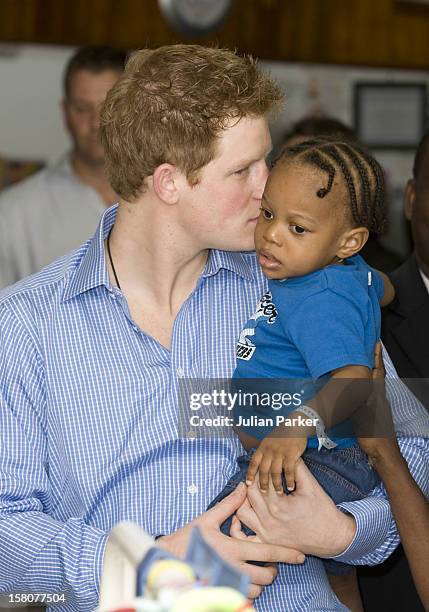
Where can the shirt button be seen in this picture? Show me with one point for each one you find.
(191, 435)
(112, 295)
(192, 489)
(180, 372)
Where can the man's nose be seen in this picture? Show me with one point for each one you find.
(95, 118)
(261, 179)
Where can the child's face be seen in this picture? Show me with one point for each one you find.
(298, 232)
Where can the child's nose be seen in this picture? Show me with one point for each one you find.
(273, 234)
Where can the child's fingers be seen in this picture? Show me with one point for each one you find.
(264, 472)
(253, 467)
(289, 470)
(276, 474)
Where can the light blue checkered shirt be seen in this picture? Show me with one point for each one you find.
(88, 427)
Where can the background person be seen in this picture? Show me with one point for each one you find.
(56, 209)
(405, 322)
(405, 334)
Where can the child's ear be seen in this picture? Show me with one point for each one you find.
(352, 241)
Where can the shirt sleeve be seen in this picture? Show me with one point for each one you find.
(376, 279)
(329, 332)
(376, 534)
(40, 554)
(377, 283)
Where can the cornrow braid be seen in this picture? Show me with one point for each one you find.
(362, 174)
(316, 158)
(364, 181)
(334, 154)
(379, 208)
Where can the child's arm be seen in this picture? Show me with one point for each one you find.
(247, 441)
(389, 290)
(347, 390)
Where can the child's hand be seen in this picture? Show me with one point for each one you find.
(273, 456)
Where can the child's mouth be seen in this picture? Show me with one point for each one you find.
(266, 260)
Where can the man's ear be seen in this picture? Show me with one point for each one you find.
(165, 183)
(352, 241)
(409, 198)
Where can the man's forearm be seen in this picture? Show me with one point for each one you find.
(376, 534)
(41, 555)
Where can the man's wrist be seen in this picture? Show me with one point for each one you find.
(346, 533)
(373, 521)
(169, 543)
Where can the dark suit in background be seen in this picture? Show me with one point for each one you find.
(405, 329)
(405, 334)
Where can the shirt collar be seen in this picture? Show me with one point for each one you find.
(92, 271)
(425, 279)
(228, 260)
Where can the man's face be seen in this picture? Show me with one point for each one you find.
(417, 212)
(222, 209)
(81, 112)
(297, 232)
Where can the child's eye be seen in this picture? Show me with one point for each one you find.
(297, 229)
(266, 214)
(242, 171)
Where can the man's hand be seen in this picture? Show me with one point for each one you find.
(306, 520)
(373, 423)
(274, 455)
(237, 550)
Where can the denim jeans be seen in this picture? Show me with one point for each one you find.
(344, 473)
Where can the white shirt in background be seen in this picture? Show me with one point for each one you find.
(43, 217)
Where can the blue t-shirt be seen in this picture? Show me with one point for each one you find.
(307, 326)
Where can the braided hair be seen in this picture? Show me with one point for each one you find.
(360, 172)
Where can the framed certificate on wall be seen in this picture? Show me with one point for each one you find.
(390, 115)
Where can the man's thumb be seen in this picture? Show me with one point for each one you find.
(229, 505)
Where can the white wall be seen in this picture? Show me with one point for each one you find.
(30, 93)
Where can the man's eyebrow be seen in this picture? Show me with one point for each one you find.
(250, 160)
(77, 100)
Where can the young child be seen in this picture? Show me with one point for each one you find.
(319, 322)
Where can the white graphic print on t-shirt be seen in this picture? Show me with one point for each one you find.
(265, 310)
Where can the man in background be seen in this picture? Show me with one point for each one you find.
(405, 334)
(55, 210)
(405, 329)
